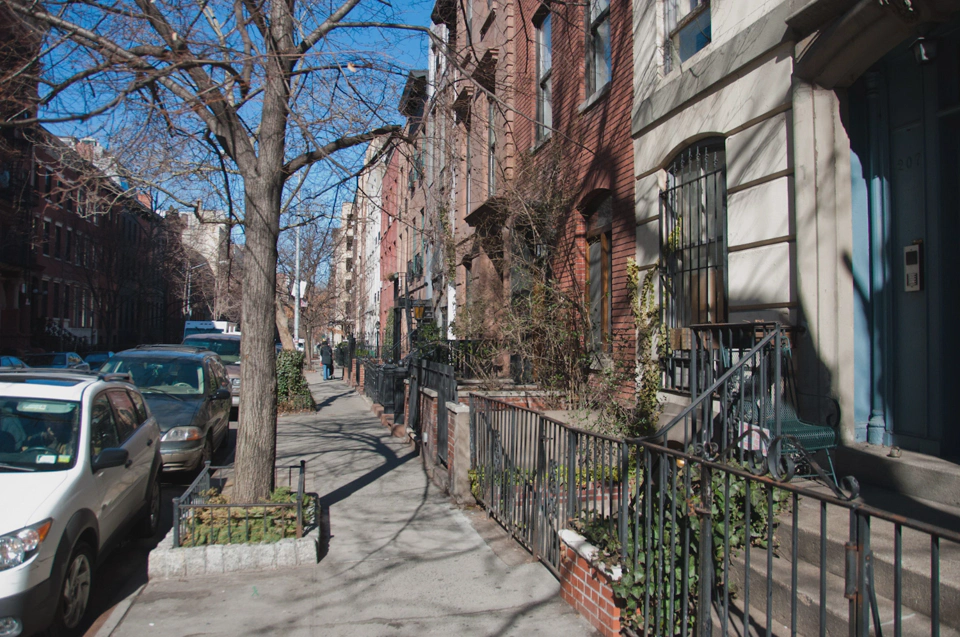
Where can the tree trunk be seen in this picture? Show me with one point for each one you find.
(257, 435)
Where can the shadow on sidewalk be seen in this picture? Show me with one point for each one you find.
(344, 492)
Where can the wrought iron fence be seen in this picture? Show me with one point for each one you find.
(534, 474)
(700, 353)
(708, 545)
(371, 379)
(441, 379)
(198, 518)
(470, 358)
(713, 530)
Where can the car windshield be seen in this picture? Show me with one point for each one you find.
(179, 377)
(46, 360)
(38, 434)
(228, 349)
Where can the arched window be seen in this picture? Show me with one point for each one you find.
(599, 273)
(693, 237)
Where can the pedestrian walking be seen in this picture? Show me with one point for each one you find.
(326, 357)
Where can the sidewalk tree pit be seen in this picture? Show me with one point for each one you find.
(246, 523)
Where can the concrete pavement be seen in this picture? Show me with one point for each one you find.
(401, 561)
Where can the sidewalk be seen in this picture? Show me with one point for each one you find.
(402, 560)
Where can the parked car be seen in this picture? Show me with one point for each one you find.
(96, 359)
(228, 347)
(56, 360)
(11, 362)
(188, 392)
(79, 469)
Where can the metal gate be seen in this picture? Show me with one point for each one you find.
(533, 473)
(413, 401)
(441, 379)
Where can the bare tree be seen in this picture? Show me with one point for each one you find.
(248, 93)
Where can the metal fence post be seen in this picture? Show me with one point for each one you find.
(624, 500)
(572, 443)
(176, 522)
(704, 603)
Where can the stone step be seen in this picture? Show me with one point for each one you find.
(836, 611)
(915, 557)
(912, 474)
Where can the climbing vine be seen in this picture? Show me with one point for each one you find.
(652, 347)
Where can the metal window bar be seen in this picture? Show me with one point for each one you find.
(693, 245)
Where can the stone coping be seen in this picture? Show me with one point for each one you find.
(167, 562)
(590, 553)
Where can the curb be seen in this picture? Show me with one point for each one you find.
(166, 562)
(117, 613)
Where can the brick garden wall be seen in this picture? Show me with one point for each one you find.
(586, 587)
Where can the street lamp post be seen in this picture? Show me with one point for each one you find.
(190, 287)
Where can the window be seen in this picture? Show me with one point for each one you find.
(140, 406)
(544, 78)
(56, 300)
(67, 307)
(68, 249)
(687, 28)
(491, 148)
(693, 239)
(599, 274)
(58, 238)
(125, 413)
(103, 428)
(46, 238)
(598, 45)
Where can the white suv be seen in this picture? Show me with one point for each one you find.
(79, 466)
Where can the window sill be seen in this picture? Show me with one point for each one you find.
(591, 101)
(540, 143)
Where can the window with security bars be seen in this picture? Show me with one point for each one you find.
(693, 237)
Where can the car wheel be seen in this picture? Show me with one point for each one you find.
(150, 521)
(75, 591)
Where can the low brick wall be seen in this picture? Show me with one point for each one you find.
(585, 585)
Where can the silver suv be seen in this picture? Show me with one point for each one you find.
(79, 467)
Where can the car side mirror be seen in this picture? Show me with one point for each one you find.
(109, 458)
(221, 394)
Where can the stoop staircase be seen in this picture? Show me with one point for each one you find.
(821, 561)
(886, 562)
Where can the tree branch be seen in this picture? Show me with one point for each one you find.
(324, 151)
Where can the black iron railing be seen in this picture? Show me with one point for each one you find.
(469, 358)
(535, 474)
(713, 531)
(371, 379)
(699, 353)
(200, 517)
(441, 379)
(714, 546)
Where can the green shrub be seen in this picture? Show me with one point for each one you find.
(293, 394)
(255, 524)
(678, 518)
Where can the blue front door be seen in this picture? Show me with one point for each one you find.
(904, 124)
